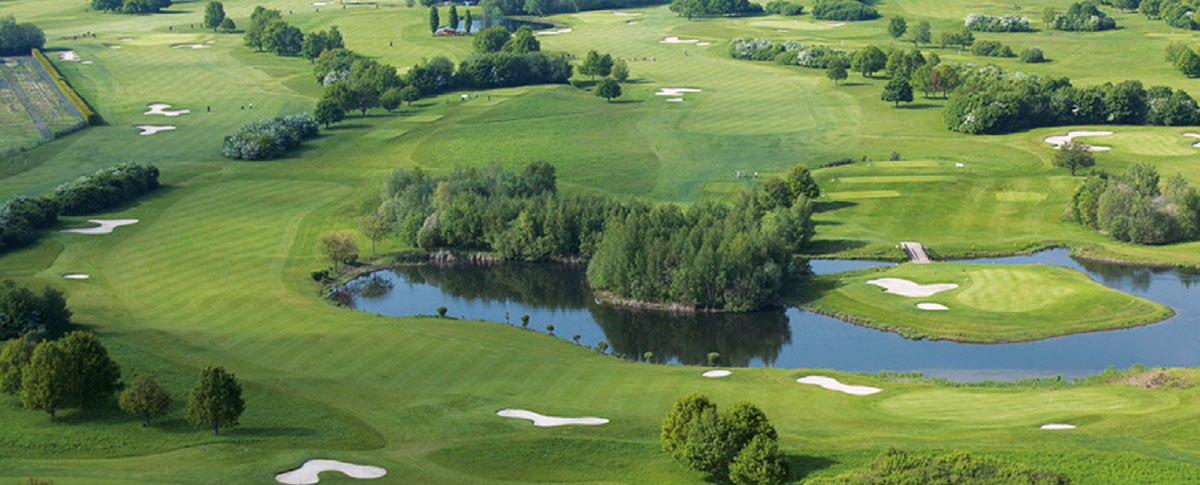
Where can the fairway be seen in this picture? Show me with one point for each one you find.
(218, 270)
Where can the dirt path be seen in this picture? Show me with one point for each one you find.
(916, 252)
(37, 119)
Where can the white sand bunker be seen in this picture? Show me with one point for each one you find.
(85, 62)
(677, 40)
(307, 473)
(320, 4)
(832, 24)
(907, 288)
(152, 129)
(932, 306)
(713, 374)
(833, 385)
(194, 46)
(1058, 426)
(627, 13)
(552, 32)
(549, 421)
(68, 56)
(161, 109)
(1194, 135)
(703, 43)
(675, 91)
(210, 42)
(76, 276)
(106, 226)
(674, 100)
(1059, 141)
(114, 47)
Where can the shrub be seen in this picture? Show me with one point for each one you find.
(130, 6)
(441, 311)
(19, 39)
(1032, 55)
(61, 82)
(105, 189)
(783, 7)
(991, 48)
(896, 466)
(1084, 16)
(989, 23)
(268, 139)
(788, 52)
(843, 10)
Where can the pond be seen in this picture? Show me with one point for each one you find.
(557, 294)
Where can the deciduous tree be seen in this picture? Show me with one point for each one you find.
(216, 401)
(339, 248)
(214, 14)
(897, 27)
(608, 89)
(45, 382)
(1074, 156)
(92, 374)
(898, 89)
(145, 399)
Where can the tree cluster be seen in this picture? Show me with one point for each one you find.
(1184, 58)
(317, 43)
(739, 445)
(21, 217)
(269, 32)
(897, 466)
(130, 6)
(844, 10)
(784, 7)
(934, 78)
(18, 39)
(1085, 16)
(51, 375)
(991, 48)
(991, 23)
(503, 69)
(1132, 207)
(990, 103)
(23, 312)
(963, 38)
(500, 8)
(268, 139)
(714, 8)
(788, 52)
(1179, 14)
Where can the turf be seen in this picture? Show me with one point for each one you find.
(991, 303)
(217, 270)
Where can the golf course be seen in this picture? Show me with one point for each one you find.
(217, 265)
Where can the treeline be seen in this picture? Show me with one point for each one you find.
(550, 7)
(22, 217)
(1179, 14)
(1084, 16)
(991, 102)
(1184, 58)
(788, 52)
(130, 6)
(714, 8)
(991, 23)
(269, 32)
(844, 10)
(23, 312)
(269, 139)
(898, 466)
(18, 39)
(1132, 207)
(711, 256)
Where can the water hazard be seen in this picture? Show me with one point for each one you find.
(553, 294)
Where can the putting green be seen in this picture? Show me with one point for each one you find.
(1151, 143)
(992, 302)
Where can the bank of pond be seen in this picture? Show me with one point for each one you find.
(557, 295)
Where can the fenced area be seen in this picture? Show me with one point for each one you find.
(33, 110)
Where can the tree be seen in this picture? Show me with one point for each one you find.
(339, 248)
(366, 95)
(1074, 156)
(18, 39)
(869, 60)
(390, 100)
(522, 41)
(759, 463)
(1188, 63)
(375, 227)
(313, 46)
(491, 39)
(922, 34)
(434, 21)
(282, 39)
(550, 328)
(410, 94)
(898, 89)
(897, 27)
(1049, 15)
(800, 182)
(705, 448)
(216, 400)
(595, 64)
(227, 25)
(1144, 178)
(608, 89)
(453, 17)
(685, 410)
(259, 20)
(214, 14)
(329, 111)
(525, 321)
(441, 311)
(45, 383)
(836, 71)
(13, 359)
(1032, 55)
(92, 375)
(342, 94)
(467, 22)
(620, 71)
(145, 399)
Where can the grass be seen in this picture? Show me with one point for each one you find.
(1008, 303)
(217, 270)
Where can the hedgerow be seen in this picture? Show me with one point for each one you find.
(268, 139)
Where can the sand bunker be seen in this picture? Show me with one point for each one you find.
(833, 385)
(674, 100)
(713, 374)
(832, 24)
(152, 129)
(1059, 141)
(1058, 426)
(210, 42)
(548, 421)
(627, 13)
(194, 46)
(106, 226)
(307, 473)
(907, 288)
(68, 56)
(320, 4)
(1194, 135)
(675, 91)
(677, 40)
(932, 306)
(114, 47)
(704, 43)
(552, 32)
(76, 276)
(85, 62)
(161, 109)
